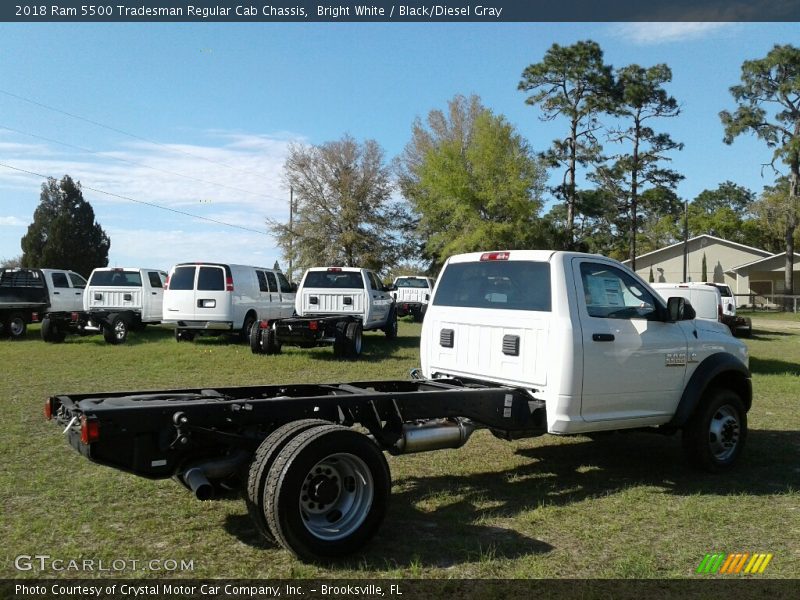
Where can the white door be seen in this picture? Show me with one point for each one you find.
(179, 301)
(634, 364)
(212, 298)
(379, 301)
(61, 292)
(152, 297)
(287, 295)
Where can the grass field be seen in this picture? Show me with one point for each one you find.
(625, 506)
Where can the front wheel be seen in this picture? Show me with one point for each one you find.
(326, 493)
(714, 436)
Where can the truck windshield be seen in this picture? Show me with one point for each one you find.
(412, 282)
(334, 279)
(116, 278)
(514, 285)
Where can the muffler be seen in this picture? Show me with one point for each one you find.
(433, 435)
(197, 476)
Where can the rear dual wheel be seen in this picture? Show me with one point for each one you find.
(325, 493)
(263, 341)
(117, 331)
(52, 331)
(349, 340)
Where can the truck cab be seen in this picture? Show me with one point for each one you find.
(581, 332)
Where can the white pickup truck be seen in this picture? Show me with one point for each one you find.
(411, 295)
(118, 300)
(521, 343)
(333, 306)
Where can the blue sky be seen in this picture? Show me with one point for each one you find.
(223, 101)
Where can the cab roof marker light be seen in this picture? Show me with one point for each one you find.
(495, 256)
(334, 269)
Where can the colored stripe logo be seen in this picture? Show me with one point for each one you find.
(734, 564)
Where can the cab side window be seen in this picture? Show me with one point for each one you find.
(286, 288)
(77, 280)
(611, 293)
(155, 279)
(373, 281)
(60, 280)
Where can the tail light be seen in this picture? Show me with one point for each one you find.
(166, 283)
(48, 409)
(229, 284)
(312, 325)
(263, 324)
(74, 317)
(35, 317)
(495, 256)
(90, 430)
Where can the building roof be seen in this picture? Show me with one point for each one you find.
(764, 253)
(781, 256)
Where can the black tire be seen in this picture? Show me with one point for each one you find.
(271, 342)
(52, 332)
(117, 331)
(340, 340)
(15, 326)
(256, 345)
(715, 435)
(391, 325)
(353, 339)
(183, 336)
(260, 466)
(327, 492)
(418, 315)
(247, 326)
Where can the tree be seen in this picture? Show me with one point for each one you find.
(64, 233)
(773, 210)
(768, 101)
(641, 97)
(277, 267)
(704, 269)
(572, 82)
(11, 263)
(472, 183)
(343, 208)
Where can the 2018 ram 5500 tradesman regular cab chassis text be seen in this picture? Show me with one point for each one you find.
(521, 343)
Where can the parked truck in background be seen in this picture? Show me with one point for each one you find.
(118, 300)
(53, 297)
(411, 295)
(333, 306)
(521, 343)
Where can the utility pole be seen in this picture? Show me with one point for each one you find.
(291, 232)
(685, 240)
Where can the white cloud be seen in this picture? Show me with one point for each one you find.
(162, 249)
(11, 222)
(664, 33)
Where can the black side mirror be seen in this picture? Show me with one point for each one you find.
(293, 287)
(679, 309)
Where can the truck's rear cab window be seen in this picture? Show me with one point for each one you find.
(334, 279)
(513, 285)
(412, 282)
(116, 279)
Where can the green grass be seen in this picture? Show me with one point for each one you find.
(626, 506)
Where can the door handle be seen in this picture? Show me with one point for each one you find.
(57, 293)
(603, 337)
(154, 293)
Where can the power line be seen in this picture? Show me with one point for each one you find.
(131, 162)
(117, 130)
(146, 203)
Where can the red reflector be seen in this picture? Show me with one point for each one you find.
(495, 256)
(229, 284)
(90, 431)
(312, 325)
(263, 324)
(35, 317)
(48, 410)
(334, 269)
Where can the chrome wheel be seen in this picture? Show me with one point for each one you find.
(16, 326)
(120, 330)
(724, 432)
(336, 496)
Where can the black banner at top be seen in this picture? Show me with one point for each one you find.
(450, 11)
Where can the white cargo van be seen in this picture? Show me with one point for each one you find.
(213, 298)
(705, 299)
(117, 300)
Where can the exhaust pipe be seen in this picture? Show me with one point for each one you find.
(433, 435)
(197, 476)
